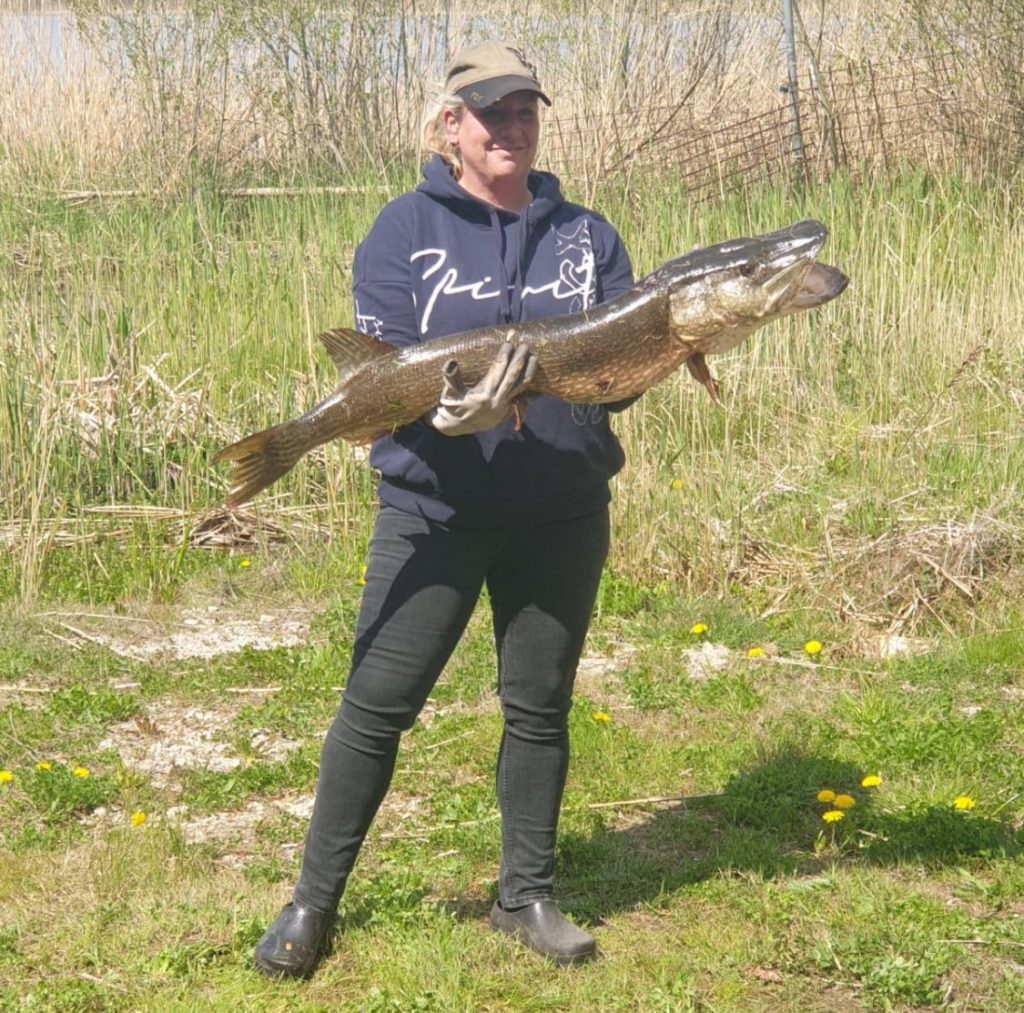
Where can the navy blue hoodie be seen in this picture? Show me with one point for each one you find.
(438, 261)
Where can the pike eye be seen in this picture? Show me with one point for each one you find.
(747, 270)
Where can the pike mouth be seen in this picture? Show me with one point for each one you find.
(821, 284)
(793, 280)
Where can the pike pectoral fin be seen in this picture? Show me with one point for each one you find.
(698, 368)
(351, 350)
(262, 459)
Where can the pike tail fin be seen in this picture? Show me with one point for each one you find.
(261, 459)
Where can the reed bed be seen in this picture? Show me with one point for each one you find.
(141, 336)
(244, 150)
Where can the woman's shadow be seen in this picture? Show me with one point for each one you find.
(766, 821)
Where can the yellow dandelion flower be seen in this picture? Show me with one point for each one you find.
(676, 483)
(963, 803)
(138, 818)
(871, 781)
(844, 802)
(756, 652)
(245, 563)
(602, 717)
(361, 580)
(80, 771)
(833, 815)
(6, 777)
(43, 765)
(698, 628)
(813, 647)
(826, 795)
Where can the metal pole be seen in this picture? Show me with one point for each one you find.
(791, 88)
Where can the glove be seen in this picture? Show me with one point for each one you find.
(497, 396)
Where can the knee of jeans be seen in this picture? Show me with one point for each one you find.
(371, 731)
(544, 722)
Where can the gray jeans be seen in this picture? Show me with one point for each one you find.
(423, 580)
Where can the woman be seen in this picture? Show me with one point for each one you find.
(485, 490)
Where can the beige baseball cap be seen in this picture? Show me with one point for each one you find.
(481, 75)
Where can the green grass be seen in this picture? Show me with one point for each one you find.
(863, 482)
(732, 894)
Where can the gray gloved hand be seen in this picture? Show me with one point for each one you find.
(498, 395)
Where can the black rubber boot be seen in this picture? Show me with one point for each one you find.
(295, 944)
(544, 928)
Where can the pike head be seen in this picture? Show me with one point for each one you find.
(719, 294)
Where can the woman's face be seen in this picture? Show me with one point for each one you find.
(498, 143)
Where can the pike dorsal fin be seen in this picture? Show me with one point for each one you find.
(351, 350)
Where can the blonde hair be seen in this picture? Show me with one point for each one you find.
(434, 136)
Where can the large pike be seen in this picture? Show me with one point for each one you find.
(703, 303)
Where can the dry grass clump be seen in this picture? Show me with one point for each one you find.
(905, 577)
(136, 403)
(220, 528)
(908, 576)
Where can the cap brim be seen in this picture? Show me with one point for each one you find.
(486, 93)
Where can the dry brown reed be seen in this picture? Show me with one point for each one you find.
(149, 92)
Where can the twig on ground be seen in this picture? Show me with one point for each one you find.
(641, 801)
(983, 942)
(876, 837)
(91, 639)
(65, 640)
(1013, 798)
(102, 615)
(618, 803)
(799, 663)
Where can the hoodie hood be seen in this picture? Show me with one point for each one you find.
(439, 184)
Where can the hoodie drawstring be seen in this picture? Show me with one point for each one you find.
(506, 307)
(517, 292)
(511, 304)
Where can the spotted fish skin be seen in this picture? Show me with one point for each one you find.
(703, 303)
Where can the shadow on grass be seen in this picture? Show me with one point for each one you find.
(766, 821)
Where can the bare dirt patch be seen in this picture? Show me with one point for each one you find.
(196, 633)
(171, 737)
(605, 668)
(599, 676)
(891, 645)
(708, 659)
(236, 834)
